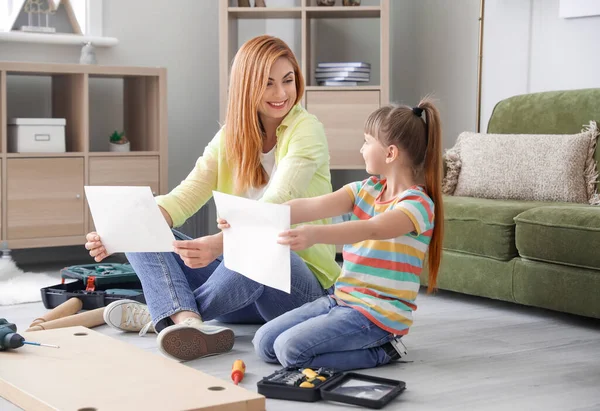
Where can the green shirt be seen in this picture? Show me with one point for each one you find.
(302, 159)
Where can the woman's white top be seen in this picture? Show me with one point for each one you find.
(268, 162)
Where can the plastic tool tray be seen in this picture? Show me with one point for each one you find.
(298, 384)
(96, 285)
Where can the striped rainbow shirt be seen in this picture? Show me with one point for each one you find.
(380, 278)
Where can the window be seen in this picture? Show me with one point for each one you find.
(86, 15)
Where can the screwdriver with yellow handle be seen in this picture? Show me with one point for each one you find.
(311, 376)
(237, 371)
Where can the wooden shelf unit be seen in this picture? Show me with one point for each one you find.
(42, 194)
(342, 110)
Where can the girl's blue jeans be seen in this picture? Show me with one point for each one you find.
(215, 292)
(323, 334)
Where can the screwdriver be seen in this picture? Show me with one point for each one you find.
(237, 371)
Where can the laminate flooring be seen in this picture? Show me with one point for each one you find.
(465, 353)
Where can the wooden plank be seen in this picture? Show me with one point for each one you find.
(124, 171)
(343, 114)
(3, 149)
(69, 101)
(91, 69)
(265, 12)
(47, 242)
(93, 371)
(163, 132)
(344, 12)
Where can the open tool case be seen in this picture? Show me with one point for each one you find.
(330, 385)
(96, 285)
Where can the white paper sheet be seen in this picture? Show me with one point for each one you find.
(128, 219)
(250, 244)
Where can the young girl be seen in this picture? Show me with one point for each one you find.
(391, 230)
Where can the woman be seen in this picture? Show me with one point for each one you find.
(270, 149)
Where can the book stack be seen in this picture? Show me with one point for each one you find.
(343, 73)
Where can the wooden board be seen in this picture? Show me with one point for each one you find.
(91, 371)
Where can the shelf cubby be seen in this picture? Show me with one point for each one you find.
(42, 197)
(49, 95)
(325, 34)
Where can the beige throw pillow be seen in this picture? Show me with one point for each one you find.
(524, 167)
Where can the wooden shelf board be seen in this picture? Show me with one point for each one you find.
(265, 12)
(46, 69)
(124, 154)
(46, 242)
(343, 88)
(45, 155)
(347, 167)
(344, 12)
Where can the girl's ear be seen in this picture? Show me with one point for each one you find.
(391, 154)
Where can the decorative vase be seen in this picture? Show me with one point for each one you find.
(259, 3)
(351, 2)
(243, 3)
(88, 54)
(325, 2)
(121, 148)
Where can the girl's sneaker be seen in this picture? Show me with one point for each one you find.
(192, 339)
(129, 316)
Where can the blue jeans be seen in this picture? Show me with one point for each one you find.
(323, 334)
(215, 292)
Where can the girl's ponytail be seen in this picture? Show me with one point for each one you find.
(433, 184)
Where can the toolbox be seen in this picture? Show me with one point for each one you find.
(308, 385)
(96, 285)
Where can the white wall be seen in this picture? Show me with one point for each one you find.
(434, 51)
(447, 37)
(403, 51)
(564, 52)
(506, 50)
(529, 48)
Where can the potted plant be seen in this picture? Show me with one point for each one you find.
(118, 142)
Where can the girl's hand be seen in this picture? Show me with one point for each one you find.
(199, 252)
(298, 238)
(222, 224)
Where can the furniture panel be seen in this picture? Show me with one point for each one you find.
(41, 194)
(343, 113)
(124, 171)
(44, 197)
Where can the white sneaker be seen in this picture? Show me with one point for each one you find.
(192, 339)
(129, 315)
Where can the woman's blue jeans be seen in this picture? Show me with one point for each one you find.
(215, 292)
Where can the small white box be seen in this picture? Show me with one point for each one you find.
(36, 135)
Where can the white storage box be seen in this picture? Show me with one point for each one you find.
(36, 135)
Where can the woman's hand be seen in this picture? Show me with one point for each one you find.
(95, 246)
(298, 238)
(222, 224)
(199, 252)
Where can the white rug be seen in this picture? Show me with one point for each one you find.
(18, 287)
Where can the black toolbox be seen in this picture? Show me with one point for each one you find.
(96, 285)
(298, 384)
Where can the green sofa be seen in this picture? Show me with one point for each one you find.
(534, 253)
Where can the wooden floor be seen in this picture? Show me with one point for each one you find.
(465, 353)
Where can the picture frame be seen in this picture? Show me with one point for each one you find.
(568, 9)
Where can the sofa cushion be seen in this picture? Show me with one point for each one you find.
(560, 234)
(549, 167)
(482, 226)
